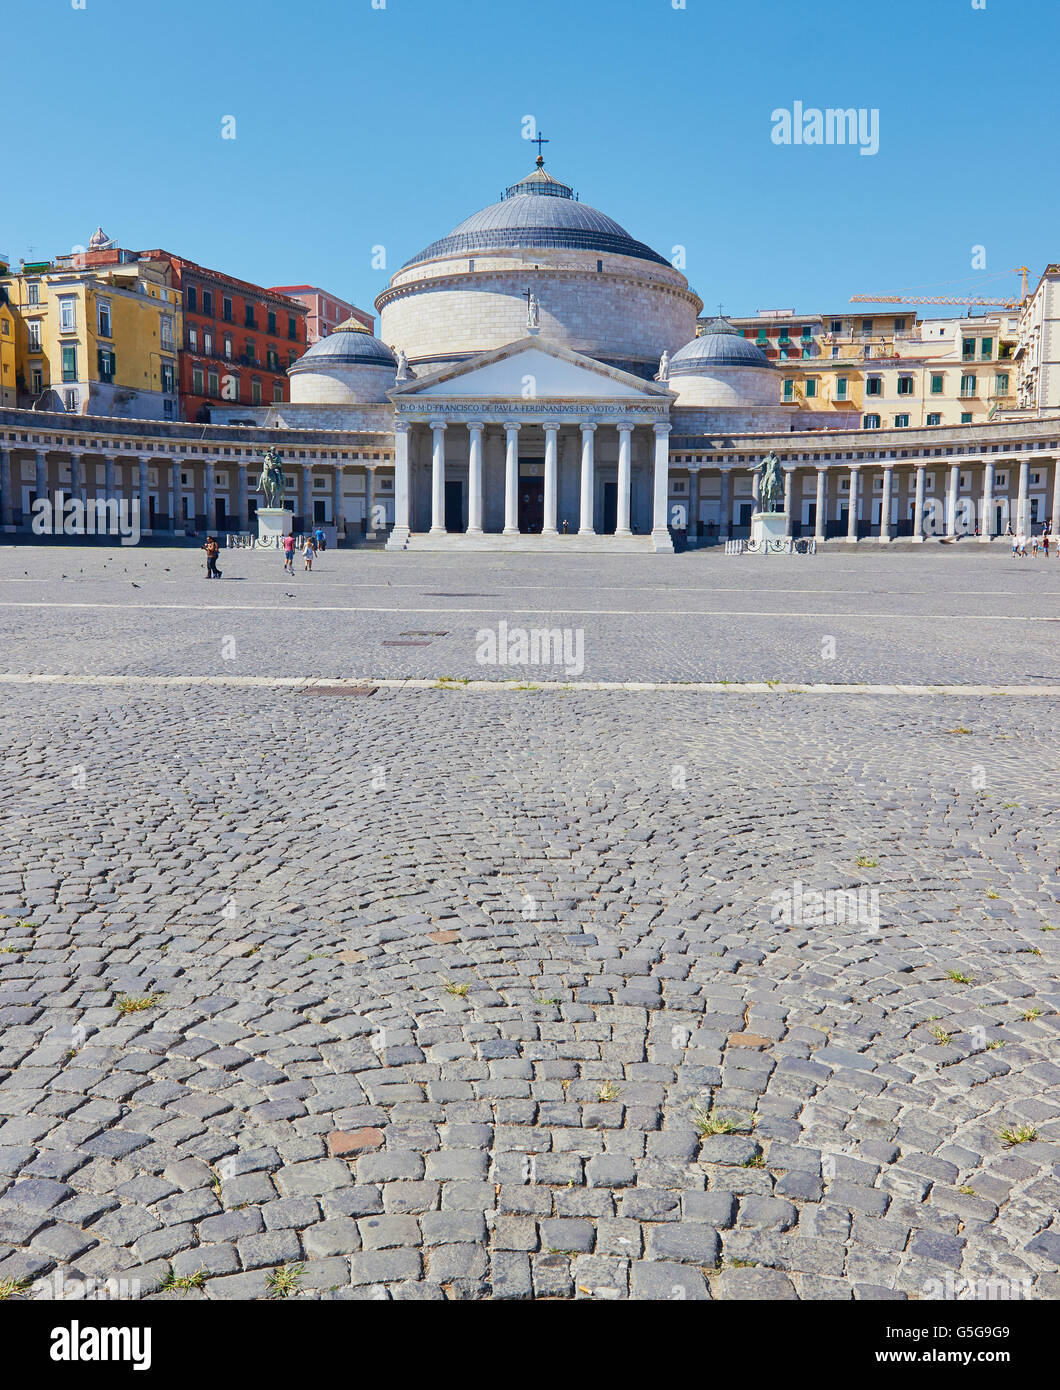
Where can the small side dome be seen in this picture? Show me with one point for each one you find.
(349, 342)
(721, 345)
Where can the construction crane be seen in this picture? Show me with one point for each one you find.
(999, 303)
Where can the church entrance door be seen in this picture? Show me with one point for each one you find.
(610, 509)
(532, 500)
(454, 505)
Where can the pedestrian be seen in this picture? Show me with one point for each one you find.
(1045, 542)
(308, 550)
(1015, 543)
(1021, 545)
(321, 539)
(288, 554)
(212, 551)
(1035, 543)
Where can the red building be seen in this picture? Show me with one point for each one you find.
(326, 311)
(239, 338)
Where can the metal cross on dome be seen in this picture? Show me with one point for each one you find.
(540, 140)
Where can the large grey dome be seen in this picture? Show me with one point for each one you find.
(539, 211)
(349, 342)
(722, 345)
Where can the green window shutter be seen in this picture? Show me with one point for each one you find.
(841, 388)
(987, 350)
(789, 387)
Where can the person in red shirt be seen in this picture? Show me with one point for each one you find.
(288, 554)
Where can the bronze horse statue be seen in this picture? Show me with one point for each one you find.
(771, 484)
(272, 483)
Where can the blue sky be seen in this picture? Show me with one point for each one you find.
(358, 127)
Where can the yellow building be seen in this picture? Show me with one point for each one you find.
(8, 339)
(97, 334)
(891, 371)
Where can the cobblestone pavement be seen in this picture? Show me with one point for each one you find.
(441, 994)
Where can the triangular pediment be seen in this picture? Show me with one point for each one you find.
(536, 368)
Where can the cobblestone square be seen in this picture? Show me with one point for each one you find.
(529, 992)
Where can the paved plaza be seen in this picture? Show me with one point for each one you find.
(538, 992)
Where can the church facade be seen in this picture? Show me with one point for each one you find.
(538, 382)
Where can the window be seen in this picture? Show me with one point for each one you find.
(866, 328)
(905, 385)
(874, 386)
(837, 326)
(807, 331)
(103, 318)
(5, 327)
(272, 360)
(70, 363)
(966, 417)
(207, 303)
(789, 389)
(785, 336)
(968, 349)
(255, 392)
(167, 410)
(196, 381)
(899, 325)
(901, 422)
(228, 346)
(207, 342)
(811, 386)
(213, 382)
(166, 332)
(934, 418)
(1001, 480)
(968, 384)
(248, 351)
(1001, 384)
(292, 322)
(105, 363)
(763, 337)
(840, 388)
(807, 352)
(70, 400)
(986, 349)
(34, 335)
(272, 320)
(277, 391)
(226, 309)
(191, 294)
(67, 322)
(36, 378)
(937, 380)
(292, 358)
(34, 292)
(870, 422)
(168, 379)
(193, 338)
(248, 318)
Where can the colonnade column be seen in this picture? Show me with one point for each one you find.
(511, 478)
(725, 529)
(145, 501)
(918, 506)
(1054, 520)
(76, 485)
(852, 509)
(548, 526)
(369, 494)
(1023, 511)
(41, 484)
(108, 476)
(7, 505)
(661, 492)
(438, 477)
(400, 533)
(474, 479)
(885, 505)
(986, 531)
(625, 448)
(307, 497)
(176, 510)
(789, 501)
(210, 499)
(586, 520)
(820, 520)
(951, 499)
(692, 530)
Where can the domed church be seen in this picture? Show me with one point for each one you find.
(530, 368)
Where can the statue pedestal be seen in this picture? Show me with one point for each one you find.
(273, 524)
(769, 527)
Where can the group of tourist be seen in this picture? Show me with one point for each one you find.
(312, 545)
(1038, 544)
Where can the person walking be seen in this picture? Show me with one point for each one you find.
(212, 551)
(308, 550)
(1015, 544)
(288, 554)
(1045, 542)
(321, 539)
(1021, 545)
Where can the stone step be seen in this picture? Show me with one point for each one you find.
(536, 544)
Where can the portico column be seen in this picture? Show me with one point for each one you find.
(1054, 520)
(885, 505)
(400, 534)
(986, 531)
(145, 501)
(337, 519)
(918, 506)
(725, 530)
(438, 477)
(661, 498)
(242, 498)
(369, 495)
(176, 510)
(756, 493)
(789, 499)
(75, 476)
(41, 484)
(307, 497)
(625, 447)
(511, 479)
(821, 518)
(474, 479)
(548, 527)
(586, 525)
(952, 499)
(692, 530)
(108, 476)
(1023, 511)
(852, 509)
(7, 505)
(210, 501)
